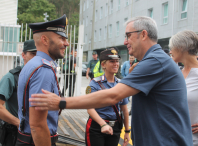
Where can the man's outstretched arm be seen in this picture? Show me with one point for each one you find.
(50, 101)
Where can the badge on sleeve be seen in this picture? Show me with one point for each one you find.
(88, 90)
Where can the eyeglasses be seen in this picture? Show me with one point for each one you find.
(127, 33)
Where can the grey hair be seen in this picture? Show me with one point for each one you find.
(185, 41)
(145, 23)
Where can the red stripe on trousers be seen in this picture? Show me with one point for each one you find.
(87, 131)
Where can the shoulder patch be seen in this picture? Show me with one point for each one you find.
(88, 90)
(97, 79)
(46, 62)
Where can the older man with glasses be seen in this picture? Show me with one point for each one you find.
(160, 115)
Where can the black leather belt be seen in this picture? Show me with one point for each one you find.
(27, 138)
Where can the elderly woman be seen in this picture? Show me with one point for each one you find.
(184, 48)
(104, 124)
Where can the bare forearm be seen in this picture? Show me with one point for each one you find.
(126, 116)
(50, 101)
(87, 73)
(93, 100)
(126, 120)
(94, 115)
(6, 116)
(39, 128)
(41, 135)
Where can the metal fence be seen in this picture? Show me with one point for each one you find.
(11, 46)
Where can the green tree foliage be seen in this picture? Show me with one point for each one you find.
(31, 11)
(71, 9)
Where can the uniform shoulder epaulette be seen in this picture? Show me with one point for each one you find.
(15, 70)
(97, 79)
(46, 62)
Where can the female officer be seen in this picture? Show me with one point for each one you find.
(102, 127)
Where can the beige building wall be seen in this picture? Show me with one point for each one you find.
(8, 11)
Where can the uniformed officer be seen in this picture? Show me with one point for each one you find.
(98, 71)
(91, 65)
(70, 75)
(104, 124)
(8, 95)
(39, 128)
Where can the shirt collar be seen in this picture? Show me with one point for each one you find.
(104, 79)
(151, 49)
(47, 57)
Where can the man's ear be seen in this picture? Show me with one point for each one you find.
(144, 35)
(23, 55)
(44, 40)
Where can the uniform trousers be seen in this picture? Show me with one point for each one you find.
(94, 137)
(18, 143)
(11, 135)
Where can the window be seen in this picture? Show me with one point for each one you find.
(87, 3)
(118, 4)
(111, 7)
(95, 36)
(100, 34)
(84, 6)
(83, 21)
(87, 21)
(110, 30)
(9, 36)
(127, 2)
(117, 28)
(165, 13)
(101, 11)
(105, 33)
(125, 19)
(184, 9)
(150, 12)
(106, 9)
(96, 14)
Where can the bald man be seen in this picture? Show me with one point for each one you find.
(39, 128)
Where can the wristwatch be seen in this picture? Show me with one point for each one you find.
(127, 131)
(62, 103)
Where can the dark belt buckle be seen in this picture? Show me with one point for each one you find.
(111, 123)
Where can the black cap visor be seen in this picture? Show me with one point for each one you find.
(32, 50)
(61, 34)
